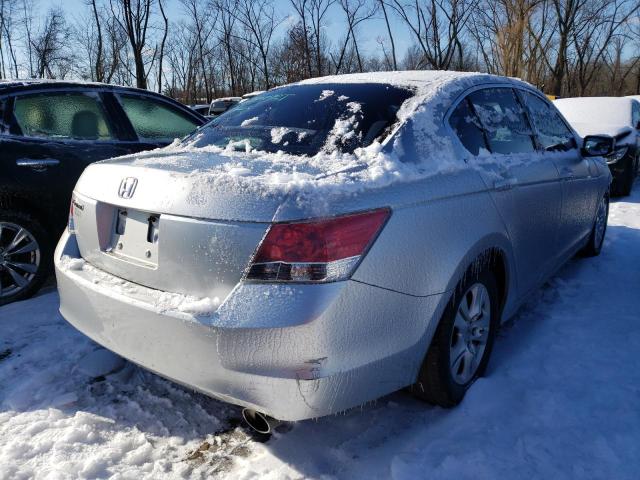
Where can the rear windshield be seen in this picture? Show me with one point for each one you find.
(305, 119)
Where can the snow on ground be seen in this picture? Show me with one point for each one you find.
(560, 400)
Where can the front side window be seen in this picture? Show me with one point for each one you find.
(154, 120)
(553, 133)
(467, 127)
(62, 116)
(307, 119)
(503, 120)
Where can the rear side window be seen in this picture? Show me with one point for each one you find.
(553, 133)
(467, 127)
(64, 116)
(153, 120)
(503, 120)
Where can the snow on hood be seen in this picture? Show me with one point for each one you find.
(596, 110)
(585, 129)
(424, 148)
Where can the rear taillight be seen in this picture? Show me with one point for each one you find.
(71, 226)
(317, 251)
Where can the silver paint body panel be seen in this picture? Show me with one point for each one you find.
(302, 351)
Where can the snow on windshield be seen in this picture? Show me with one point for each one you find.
(325, 94)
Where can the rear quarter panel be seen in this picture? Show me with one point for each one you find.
(429, 243)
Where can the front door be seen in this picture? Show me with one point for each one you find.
(579, 198)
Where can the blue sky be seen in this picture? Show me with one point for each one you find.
(368, 33)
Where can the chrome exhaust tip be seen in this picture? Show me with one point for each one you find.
(259, 422)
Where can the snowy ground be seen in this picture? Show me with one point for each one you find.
(561, 400)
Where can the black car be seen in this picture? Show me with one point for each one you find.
(49, 132)
(618, 117)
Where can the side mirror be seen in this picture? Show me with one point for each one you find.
(597, 145)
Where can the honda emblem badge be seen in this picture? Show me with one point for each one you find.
(127, 187)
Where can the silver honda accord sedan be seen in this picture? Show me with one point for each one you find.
(331, 241)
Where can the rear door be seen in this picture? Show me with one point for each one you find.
(155, 122)
(523, 182)
(579, 190)
(53, 136)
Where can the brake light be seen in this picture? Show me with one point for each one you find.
(317, 251)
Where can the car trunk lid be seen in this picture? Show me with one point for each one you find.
(169, 230)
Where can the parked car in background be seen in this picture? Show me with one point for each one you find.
(49, 132)
(202, 109)
(615, 116)
(221, 105)
(334, 240)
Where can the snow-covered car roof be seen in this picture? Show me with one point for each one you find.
(422, 80)
(252, 94)
(35, 82)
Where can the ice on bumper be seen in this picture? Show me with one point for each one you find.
(291, 351)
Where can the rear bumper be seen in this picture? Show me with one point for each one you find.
(293, 352)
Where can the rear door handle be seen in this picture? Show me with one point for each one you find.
(505, 184)
(37, 164)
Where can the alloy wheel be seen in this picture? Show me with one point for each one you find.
(19, 259)
(470, 333)
(601, 221)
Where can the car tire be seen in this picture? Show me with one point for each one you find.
(623, 183)
(22, 273)
(437, 383)
(598, 231)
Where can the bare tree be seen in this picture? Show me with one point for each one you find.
(99, 59)
(356, 12)
(602, 26)
(165, 21)
(500, 28)
(51, 46)
(259, 19)
(134, 16)
(300, 6)
(438, 27)
(27, 23)
(317, 10)
(393, 44)
(225, 12)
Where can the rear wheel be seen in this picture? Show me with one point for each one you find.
(599, 229)
(463, 341)
(25, 252)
